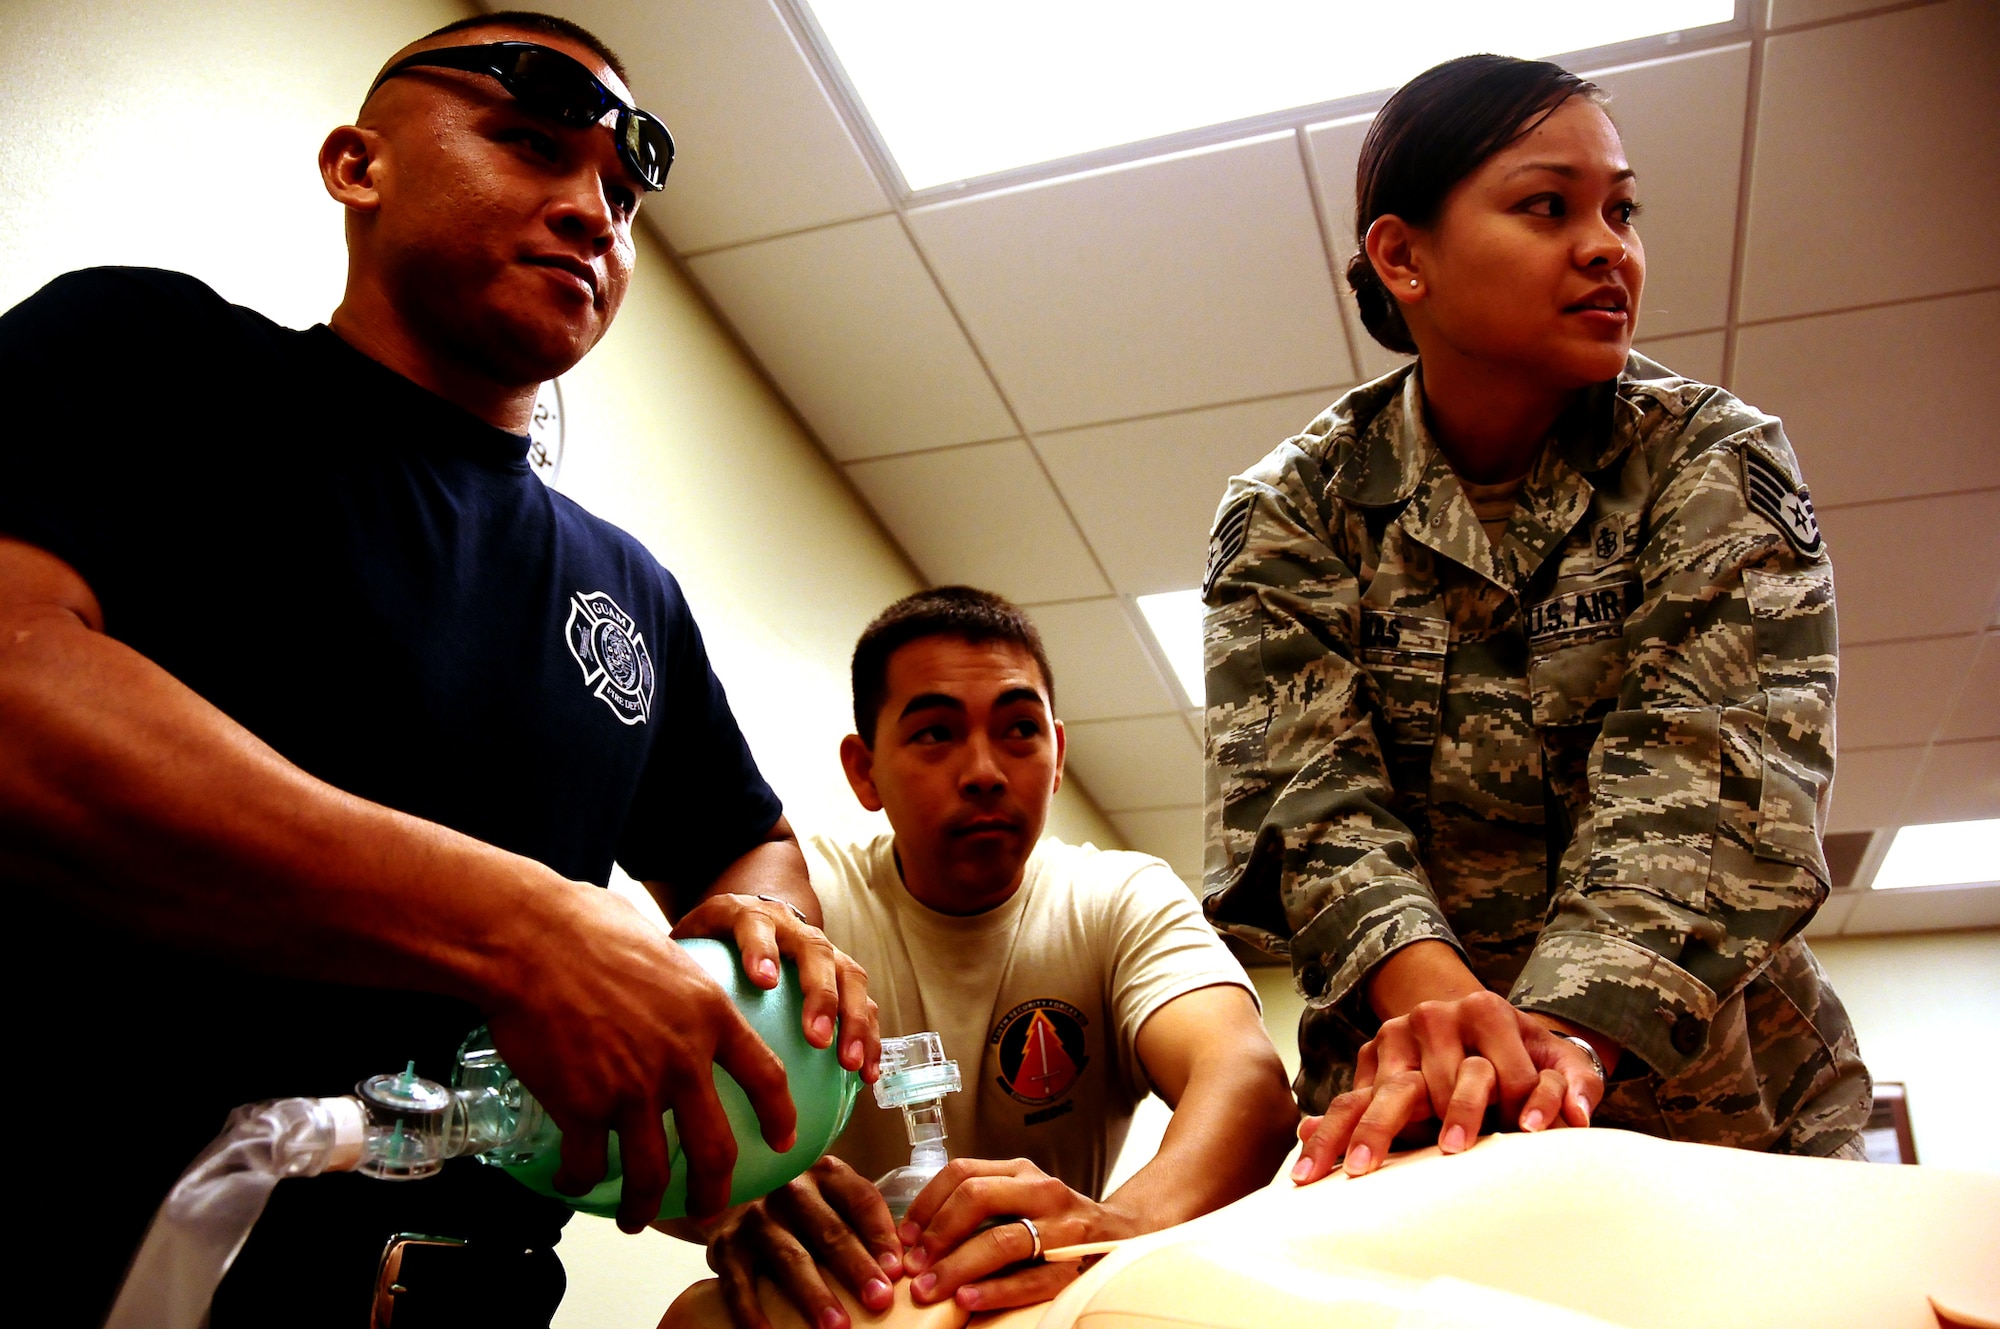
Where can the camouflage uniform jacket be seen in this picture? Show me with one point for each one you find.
(1594, 758)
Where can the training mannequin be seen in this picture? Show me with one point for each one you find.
(1367, 1250)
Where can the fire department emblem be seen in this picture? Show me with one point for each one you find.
(617, 667)
(1041, 1048)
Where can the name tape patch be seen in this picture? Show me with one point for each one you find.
(1600, 610)
(1388, 631)
(1788, 507)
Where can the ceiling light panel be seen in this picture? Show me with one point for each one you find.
(976, 87)
(1175, 620)
(1953, 853)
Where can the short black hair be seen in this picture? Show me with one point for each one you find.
(1433, 133)
(548, 25)
(965, 612)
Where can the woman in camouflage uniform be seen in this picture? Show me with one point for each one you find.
(1521, 665)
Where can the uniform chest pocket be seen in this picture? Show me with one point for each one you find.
(1404, 653)
(1576, 653)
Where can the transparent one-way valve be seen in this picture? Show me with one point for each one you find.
(915, 1077)
(412, 1125)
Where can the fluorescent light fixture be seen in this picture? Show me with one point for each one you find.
(968, 88)
(1950, 853)
(1175, 618)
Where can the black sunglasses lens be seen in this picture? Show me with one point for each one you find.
(550, 83)
(648, 148)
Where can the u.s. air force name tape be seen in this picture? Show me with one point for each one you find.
(1585, 615)
(1772, 494)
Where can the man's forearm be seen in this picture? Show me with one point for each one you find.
(1232, 1127)
(130, 795)
(774, 868)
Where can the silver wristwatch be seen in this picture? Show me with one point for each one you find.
(1596, 1062)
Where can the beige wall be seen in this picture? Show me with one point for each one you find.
(182, 134)
(1926, 1007)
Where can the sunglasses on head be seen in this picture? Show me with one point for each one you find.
(549, 83)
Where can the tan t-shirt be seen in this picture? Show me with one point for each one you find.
(1039, 1001)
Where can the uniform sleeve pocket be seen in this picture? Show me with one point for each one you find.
(1655, 803)
(1238, 703)
(1791, 615)
(1798, 777)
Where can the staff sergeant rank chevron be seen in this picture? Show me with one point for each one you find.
(1770, 492)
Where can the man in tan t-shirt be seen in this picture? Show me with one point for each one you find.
(1066, 982)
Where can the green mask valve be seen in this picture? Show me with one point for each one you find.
(414, 1124)
(402, 1127)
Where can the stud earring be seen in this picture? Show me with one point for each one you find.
(1413, 282)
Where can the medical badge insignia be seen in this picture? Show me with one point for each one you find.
(1613, 536)
(1041, 1049)
(1789, 507)
(617, 667)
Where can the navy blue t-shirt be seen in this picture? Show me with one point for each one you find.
(373, 582)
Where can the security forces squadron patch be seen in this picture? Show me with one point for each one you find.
(1232, 530)
(1790, 509)
(1042, 1050)
(617, 667)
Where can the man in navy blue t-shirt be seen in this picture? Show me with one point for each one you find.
(322, 720)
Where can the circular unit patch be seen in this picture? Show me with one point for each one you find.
(1042, 1050)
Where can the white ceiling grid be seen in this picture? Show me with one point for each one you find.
(1042, 388)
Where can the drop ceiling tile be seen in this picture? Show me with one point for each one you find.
(1133, 764)
(1916, 402)
(1103, 669)
(1697, 356)
(1868, 787)
(1958, 782)
(853, 329)
(1924, 909)
(1145, 491)
(759, 148)
(1169, 283)
(1897, 693)
(1791, 13)
(1977, 714)
(1877, 169)
(1336, 152)
(1170, 833)
(985, 516)
(1682, 123)
(1921, 567)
